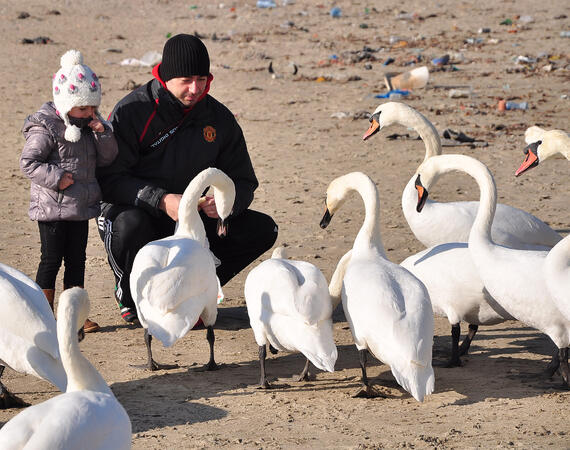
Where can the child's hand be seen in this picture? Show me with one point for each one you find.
(96, 124)
(66, 181)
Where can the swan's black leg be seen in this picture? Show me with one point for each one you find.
(7, 399)
(553, 364)
(464, 348)
(564, 369)
(211, 339)
(263, 383)
(304, 375)
(152, 365)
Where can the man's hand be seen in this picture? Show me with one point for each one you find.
(169, 204)
(66, 181)
(208, 205)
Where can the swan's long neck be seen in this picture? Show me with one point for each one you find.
(189, 222)
(411, 118)
(481, 228)
(81, 375)
(335, 285)
(369, 235)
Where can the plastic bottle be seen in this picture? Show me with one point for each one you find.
(336, 12)
(515, 105)
(266, 4)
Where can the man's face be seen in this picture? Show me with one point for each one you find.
(187, 89)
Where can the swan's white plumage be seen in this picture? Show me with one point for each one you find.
(387, 308)
(557, 264)
(454, 285)
(173, 280)
(28, 338)
(87, 415)
(514, 277)
(441, 222)
(289, 307)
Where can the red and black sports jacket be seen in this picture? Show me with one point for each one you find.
(162, 147)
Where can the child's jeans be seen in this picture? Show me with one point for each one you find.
(62, 241)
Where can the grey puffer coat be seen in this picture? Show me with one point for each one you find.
(47, 156)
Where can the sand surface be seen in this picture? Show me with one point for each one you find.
(303, 130)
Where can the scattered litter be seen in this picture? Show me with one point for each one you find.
(393, 94)
(441, 61)
(23, 15)
(453, 138)
(508, 105)
(388, 61)
(506, 22)
(37, 40)
(565, 34)
(413, 79)
(407, 16)
(336, 12)
(484, 30)
(111, 50)
(148, 59)
(460, 93)
(266, 4)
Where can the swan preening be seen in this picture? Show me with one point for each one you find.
(290, 308)
(173, 280)
(87, 415)
(387, 308)
(515, 278)
(28, 337)
(442, 222)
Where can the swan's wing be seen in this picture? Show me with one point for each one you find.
(70, 420)
(170, 271)
(291, 288)
(25, 312)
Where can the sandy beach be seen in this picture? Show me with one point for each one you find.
(303, 130)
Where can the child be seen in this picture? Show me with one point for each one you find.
(65, 141)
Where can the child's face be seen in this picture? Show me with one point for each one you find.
(82, 112)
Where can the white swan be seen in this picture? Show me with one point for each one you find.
(28, 339)
(442, 222)
(387, 308)
(557, 264)
(546, 145)
(87, 415)
(173, 280)
(456, 292)
(289, 307)
(515, 278)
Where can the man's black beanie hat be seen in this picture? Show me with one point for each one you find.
(184, 55)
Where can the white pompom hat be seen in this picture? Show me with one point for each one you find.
(74, 84)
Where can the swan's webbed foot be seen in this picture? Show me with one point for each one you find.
(153, 365)
(368, 391)
(464, 347)
(264, 384)
(305, 375)
(9, 400)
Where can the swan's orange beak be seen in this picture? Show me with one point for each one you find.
(374, 126)
(422, 194)
(531, 160)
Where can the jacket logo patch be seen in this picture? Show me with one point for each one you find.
(209, 133)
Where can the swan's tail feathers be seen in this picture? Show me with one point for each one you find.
(418, 379)
(322, 360)
(279, 253)
(319, 347)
